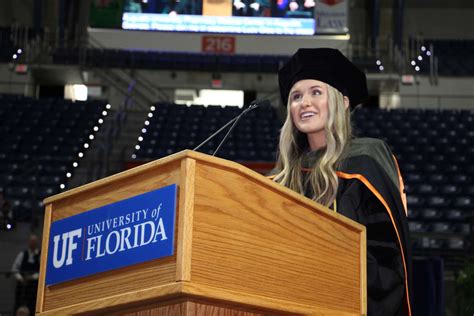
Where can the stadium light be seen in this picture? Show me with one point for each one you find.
(152, 108)
(150, 115)
(86, 145)
(420, 58)
(108, 106)
(96, 129)
(80, 154)
(134, 156)
(9, 226)
(143, 130)
(68, 175)
(75, 164)
(417, 68)
(423, 48)
(381, 68)
(62, 186)
(100, 121)
(413, 63)
(147, 123)
(19, 51)
(140, 138)
(14, 56)
(378, 62)
(137, 147)
(91, 137)
(80, 92)
(428, 53)
(104, 113)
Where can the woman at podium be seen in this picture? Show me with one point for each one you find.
(356, 177)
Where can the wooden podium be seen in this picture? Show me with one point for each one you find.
(244, 245)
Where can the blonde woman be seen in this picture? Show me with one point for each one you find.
(356, 177)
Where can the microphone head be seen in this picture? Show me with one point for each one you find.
(258, 103)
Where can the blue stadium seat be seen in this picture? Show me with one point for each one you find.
(441, 227)
(40, 145)
(455, 214)
(417, 227)
(415, 200)
(456, 244)
(464, 202)
(431, 213)
(426, 189)
(437, 201)
(413, 177)
(450, 189)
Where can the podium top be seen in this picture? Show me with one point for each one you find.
(209, 160)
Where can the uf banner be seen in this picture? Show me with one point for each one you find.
(120, 234)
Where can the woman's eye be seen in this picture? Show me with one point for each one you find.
(296, 97)
(316, 92)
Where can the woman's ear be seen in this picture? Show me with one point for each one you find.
(346, 102)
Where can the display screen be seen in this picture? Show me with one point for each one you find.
(272, 17)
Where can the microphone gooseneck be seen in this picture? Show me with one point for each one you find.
(253, 105)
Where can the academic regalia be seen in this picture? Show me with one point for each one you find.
(370, 189)
(370, 192)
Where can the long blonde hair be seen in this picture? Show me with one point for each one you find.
(294, 144)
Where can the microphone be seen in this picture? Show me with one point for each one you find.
(253, 105)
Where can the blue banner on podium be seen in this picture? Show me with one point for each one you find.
(120, 234)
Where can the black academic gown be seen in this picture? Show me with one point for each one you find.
(370, 192)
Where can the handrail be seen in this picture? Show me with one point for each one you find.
(113, 82)
(143, 81)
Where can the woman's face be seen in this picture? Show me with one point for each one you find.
(308, 101)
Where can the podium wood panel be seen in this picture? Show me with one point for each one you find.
(185, 220)
(196, 307)
(240, 240)
(235, 238)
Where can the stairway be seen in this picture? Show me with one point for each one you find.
(117, 136)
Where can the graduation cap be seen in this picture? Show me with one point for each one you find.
(327, 65)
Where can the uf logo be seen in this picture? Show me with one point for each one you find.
(68, 245)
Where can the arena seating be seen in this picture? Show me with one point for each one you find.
(168, 60)
(176, 127)
(40, 141)
(183, 61)
(436, 160)
(432, 148)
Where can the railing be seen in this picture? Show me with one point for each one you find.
(384, 51)
(415, 48)
(140, 80)
(395, 59)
